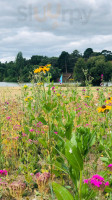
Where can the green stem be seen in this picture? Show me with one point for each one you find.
(50, 145)
(80, 186)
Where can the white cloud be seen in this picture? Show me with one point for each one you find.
(78, 25)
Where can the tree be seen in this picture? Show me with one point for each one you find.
(73, 59)
(2, 71)
(97, 66)
(107, 54)
(54, 61)
(88, 52)
(35, 60)
(55, 73)
(63, 62)
(19, 65)
(78, 70)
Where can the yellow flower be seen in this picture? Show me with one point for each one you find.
(110, 98)
(108, 101)
(25, 86)
(104, 108)
(43, 171)
(39, 83)
(47, 69)
(28, 98)
(58, 95)
(87, 96)
(42, 69)
(36, 71)
(71, 79)
(107, 194)
(48, 65)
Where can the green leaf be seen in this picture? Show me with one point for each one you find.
(73, 156)
(104, 159)
(61, 192)
(68, 129)
(41, 119)
(43, 142)
(107, 189)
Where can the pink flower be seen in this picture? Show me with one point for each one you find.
(8, 118)
(30, 140)
(107, 184)
(98, 177)
(56, 132)
(3, 172)
(86, 181)
(31, 130)
(110, 166)
(53, 88)
(96, 181)
(23, 134)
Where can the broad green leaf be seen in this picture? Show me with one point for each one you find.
(73, 156)
(61, 192)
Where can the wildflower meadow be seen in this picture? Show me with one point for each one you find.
(56, 141)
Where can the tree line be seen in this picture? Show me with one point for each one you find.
(96, 63)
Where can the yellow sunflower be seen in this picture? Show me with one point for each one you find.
(104, 109)
(43, 69)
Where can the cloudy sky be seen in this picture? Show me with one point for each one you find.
(48, 28)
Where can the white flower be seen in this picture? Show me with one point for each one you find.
(70, 151)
